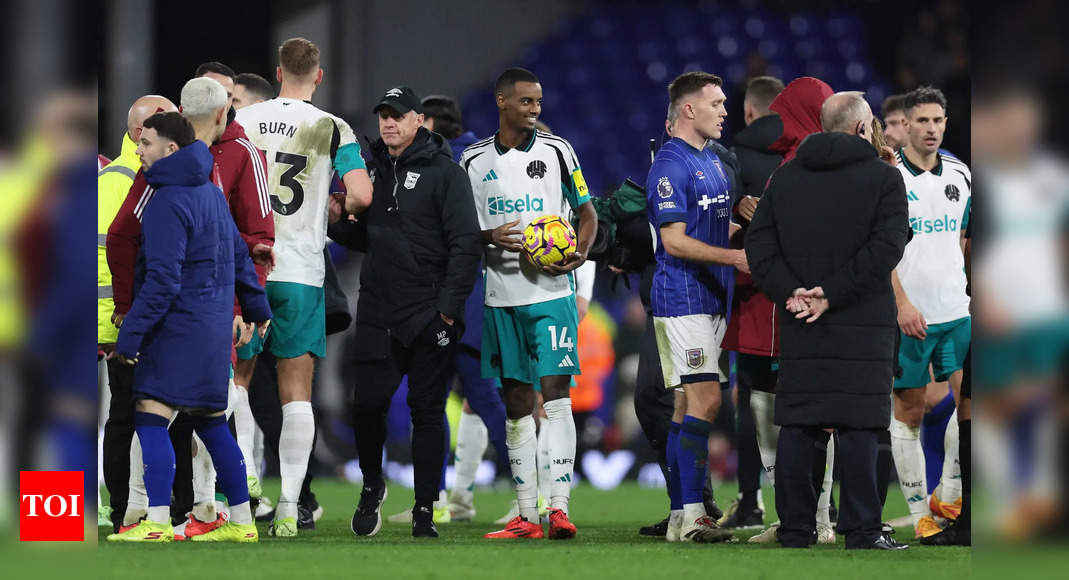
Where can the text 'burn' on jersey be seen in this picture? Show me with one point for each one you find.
(932, 270)
(689, 186)
(304, 146)
(540, 177)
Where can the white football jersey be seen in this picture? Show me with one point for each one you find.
(302, 144)
(541, 177)
(932, 270)
(1021, 269)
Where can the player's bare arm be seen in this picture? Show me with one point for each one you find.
(358, 190)
(588, 229)
(679, 245)
(910, 320)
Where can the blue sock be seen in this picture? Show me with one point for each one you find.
(675, 491)
(158, 456)
(692, 456)
(226, 457)
(933, 428)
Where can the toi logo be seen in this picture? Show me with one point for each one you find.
(51, 506)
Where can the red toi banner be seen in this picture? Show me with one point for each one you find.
(51, 506)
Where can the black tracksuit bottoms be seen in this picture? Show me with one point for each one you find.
(381, 361)
(796, 498)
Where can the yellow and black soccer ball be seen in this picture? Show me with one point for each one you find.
(548, 240)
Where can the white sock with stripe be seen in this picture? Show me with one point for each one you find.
(471, 445)
(204, 508)
(909, 460)
(244, 427)
(545, 477)
(522, 444)
(560, 432)
(949, 488)
(764, 405)
(294, 449)
(824, 500)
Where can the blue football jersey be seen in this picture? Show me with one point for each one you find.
(689, 185)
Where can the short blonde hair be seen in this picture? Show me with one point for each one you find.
(201, 97)
(299, 57)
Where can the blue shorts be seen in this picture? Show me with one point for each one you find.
(526, 343)
(943, 348)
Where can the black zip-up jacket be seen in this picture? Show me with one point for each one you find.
(421, 235)
(755, 158)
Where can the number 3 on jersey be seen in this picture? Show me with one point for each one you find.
(565, 341)
(288, 179)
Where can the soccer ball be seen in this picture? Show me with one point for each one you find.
(548, 239)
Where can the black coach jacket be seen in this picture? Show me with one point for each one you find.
(836, 217)
(421, 235)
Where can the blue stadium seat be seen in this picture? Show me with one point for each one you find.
(604, 75)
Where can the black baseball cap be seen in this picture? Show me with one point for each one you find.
(401, 99)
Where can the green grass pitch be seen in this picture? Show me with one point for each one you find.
(607, 546)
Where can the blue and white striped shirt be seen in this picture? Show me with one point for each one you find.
(690, 186)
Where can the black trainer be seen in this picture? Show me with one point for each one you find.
(660, 529)
(884, 542)
(746, 519)
(367, 520)
(711, 509)
(305, 518)
(954, 534)
(423, 523)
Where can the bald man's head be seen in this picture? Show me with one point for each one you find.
(846, 112)
(142, 109)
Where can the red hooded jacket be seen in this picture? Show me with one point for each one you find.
(754, 328)
(240, 172)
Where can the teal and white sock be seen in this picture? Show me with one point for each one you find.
(909, 460)
(294, 448)
(523, 447)
(204, 508)
(824, 500)
(764, 406)
(545, 477)
(560, 433)
(258, 450)
(471, 445)
(949, 488)
(244, 427)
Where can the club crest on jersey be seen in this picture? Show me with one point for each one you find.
(664, 187)
(952, 192)
(695, 357)
(536, 169)
(410, 180)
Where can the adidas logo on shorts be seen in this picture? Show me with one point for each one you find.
(567, 362)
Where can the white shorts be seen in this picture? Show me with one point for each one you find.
(689, 348)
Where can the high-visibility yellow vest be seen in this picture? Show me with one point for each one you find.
(113, 183)
(21, 185)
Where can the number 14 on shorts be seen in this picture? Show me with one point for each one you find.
(565, 341)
